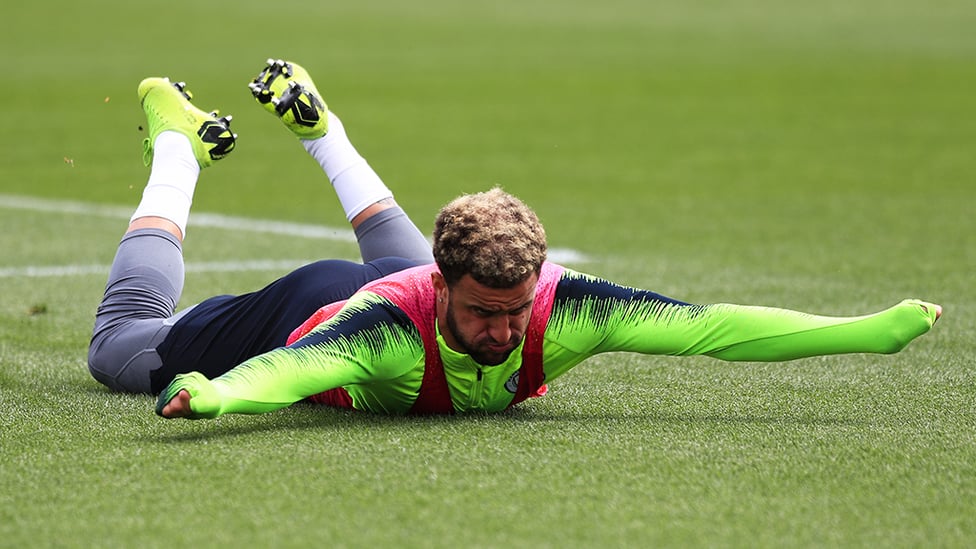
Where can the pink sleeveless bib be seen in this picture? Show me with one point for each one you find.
(413, 292)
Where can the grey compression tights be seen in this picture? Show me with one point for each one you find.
(146, 281)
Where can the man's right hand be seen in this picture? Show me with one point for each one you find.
(190, 395)
(178, 406)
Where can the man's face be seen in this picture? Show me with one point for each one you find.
(486, 323)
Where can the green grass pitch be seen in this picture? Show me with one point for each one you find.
(810, 155)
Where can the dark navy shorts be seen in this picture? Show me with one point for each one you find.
(223, 331)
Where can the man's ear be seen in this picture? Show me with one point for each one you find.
(440, 285)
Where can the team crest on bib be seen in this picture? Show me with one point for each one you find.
(512, 384)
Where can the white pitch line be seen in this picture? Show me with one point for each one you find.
(202, 267)
(202, 219)
(213, 220)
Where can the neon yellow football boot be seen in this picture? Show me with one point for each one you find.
(167, 107)
(286, 90)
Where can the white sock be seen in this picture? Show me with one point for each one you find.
(354, 181)
(172, 180)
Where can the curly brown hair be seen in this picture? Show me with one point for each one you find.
(492, 236)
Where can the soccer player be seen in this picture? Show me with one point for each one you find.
(483, 327)
(138, 344)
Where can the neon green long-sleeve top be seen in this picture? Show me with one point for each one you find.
(373, 350)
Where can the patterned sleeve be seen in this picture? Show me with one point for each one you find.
(592, 315)
(369, 340)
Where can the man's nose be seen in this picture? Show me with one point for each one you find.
(500, 329)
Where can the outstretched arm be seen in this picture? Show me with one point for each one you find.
(766, 334)
(367, 341)
(601, 316)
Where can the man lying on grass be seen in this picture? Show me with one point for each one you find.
(482, 322)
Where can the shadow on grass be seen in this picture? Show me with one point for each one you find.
(309, 417)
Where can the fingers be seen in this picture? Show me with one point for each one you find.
(937, 309)
(178, 406)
